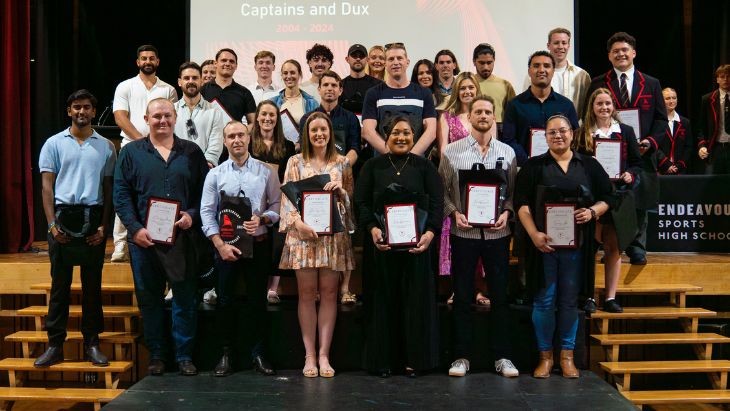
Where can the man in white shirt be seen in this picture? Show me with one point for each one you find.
(264, 88)
(130, 104)
(319, 60)
(198, 120)
(569, 80)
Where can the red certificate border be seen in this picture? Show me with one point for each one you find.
(177, 203)
(304, 197)
(610, 141)
(529, 151)
(469, 186)
(575, 226)
(415, 224)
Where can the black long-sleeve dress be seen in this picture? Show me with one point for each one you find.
(402, 316)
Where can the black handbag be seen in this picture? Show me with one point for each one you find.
(79, 221)
(233, 211)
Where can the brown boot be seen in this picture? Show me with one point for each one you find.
(544, 365)
(567, 365)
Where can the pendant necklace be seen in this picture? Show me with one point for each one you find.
(398, 170)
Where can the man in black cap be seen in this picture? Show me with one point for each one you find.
(358, 82)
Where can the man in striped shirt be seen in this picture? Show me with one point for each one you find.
(469, 242)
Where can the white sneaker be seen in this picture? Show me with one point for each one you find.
(210, 297)
(120, 254)
(459, 368)
(168, 297)
(506, 368)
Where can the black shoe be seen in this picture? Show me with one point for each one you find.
(590, 306)
(187, 368)
(384, 373)
(53, 355)
(638, 260)
(156, 367)
(94, 354)
(410, 373)
(223, 369)
(263, 366)
(612, 306)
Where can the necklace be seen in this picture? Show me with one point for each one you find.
(398, 170)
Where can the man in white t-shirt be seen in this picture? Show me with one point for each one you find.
(264, 88)
(319, 60)
(130, 103)
(569, 80)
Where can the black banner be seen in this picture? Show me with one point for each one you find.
(693, 215)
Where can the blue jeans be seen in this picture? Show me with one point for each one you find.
(562, 270)
(149, 286)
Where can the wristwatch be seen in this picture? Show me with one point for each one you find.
(593, 212)
(51, 225)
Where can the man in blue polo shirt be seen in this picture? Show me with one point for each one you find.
(76, 167)
(526, 114)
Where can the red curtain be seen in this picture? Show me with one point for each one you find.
(16, 184)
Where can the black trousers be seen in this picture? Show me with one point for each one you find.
(63, 259)
(495, 257)
(719, 159)
(255, 272)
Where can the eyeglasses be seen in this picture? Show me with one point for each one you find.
(396, 45)
(192, 132)
(554, 133)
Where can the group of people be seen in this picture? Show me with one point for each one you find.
(442, 148)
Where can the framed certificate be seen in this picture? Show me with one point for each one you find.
(608, 153)
(560, 225)
(482, 202)
(317, 211)
(401, 228)
(289, 125)
(160, 221)
(538, 143)
(630, 117)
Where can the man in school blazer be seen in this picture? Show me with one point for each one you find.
(712, 136)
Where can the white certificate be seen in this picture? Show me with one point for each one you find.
(630, 117)
(608, 153)
(160, 220)
(317, 210)
(560, 225)
(400, 224)
(289, 126)
(538, 143)
(481, 204)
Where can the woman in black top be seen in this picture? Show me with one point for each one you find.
(269, 145)
(402, 330)
(601, 123)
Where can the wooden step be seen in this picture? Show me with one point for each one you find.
(677, 292)
(93, 395)
(117, 338)
(110, 288)
(127, 312)
(615, 341)
(644, 313)
(625, 369)
(12, 365)
(677, 396)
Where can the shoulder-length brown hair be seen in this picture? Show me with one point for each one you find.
(307, 150)
(258, 147)
(584, 139)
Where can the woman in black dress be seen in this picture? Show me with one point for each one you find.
(402, 329)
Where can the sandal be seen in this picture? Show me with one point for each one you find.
(348, 298)
(272, 297)
(482, 300)
(328, 372)
(309, 372)
(450, 300)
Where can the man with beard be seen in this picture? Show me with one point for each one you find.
(470, 243)
(76, 167)
(197, 119)
(398, 96)
(130, 102)
(319, 60)
(498, 88)
(447, 67)
(358, 82)
(163, 168)
(526, 114)
(235, 99)
(264, 87)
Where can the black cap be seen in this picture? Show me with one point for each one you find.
(357, 47)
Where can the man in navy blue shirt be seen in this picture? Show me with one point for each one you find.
(526, 114)
(160, 167)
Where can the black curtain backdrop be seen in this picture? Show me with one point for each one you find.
(91, 44)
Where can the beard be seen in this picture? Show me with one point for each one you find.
(482, 128)
(148, 69)
(191, 92)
